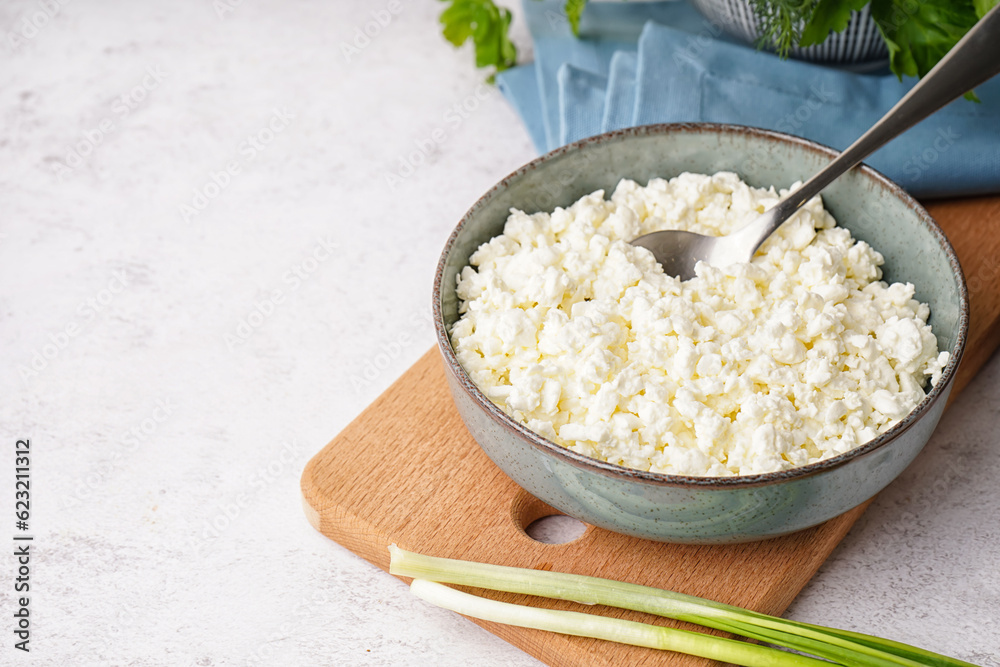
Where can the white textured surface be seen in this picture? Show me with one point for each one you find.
(127, 567)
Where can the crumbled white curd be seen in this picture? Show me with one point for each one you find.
(797, 356)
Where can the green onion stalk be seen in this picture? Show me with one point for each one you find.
(839, 646)
(610, 629)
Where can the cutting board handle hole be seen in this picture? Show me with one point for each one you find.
(543, 523)
(556, 529)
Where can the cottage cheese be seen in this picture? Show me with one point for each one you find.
(797, 356)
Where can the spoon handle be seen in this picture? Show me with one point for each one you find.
(973, 60)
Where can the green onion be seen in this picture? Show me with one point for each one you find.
(843, 647)
(611, 629)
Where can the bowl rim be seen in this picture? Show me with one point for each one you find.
(688, 481)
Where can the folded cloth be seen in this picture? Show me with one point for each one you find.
(688, 72)
(605, 28)
(581, 102)
(954, 152)
(520, 86)
(619, 96)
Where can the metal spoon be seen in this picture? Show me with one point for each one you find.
(974, 60)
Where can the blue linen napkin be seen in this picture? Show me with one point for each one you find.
(619, 96)
(954, 152)
(581, 102)
(685, 72)
(605, 28)
(520, 86)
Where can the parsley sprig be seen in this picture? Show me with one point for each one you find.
(917, 33)
(487, 26)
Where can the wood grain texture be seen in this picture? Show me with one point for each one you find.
(407, 471)
(973, 227)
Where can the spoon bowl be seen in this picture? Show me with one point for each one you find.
(679, 251)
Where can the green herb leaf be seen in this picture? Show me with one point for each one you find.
(919, 34)
(486, 25)
(780, 22)
(574, 10)
(983, 6)
(827, 17)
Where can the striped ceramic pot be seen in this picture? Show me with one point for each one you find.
(859, 44)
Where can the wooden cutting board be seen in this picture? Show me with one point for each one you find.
(407, 471)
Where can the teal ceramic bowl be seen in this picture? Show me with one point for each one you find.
(702, 510)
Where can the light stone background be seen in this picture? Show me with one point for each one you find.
(176, 546)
